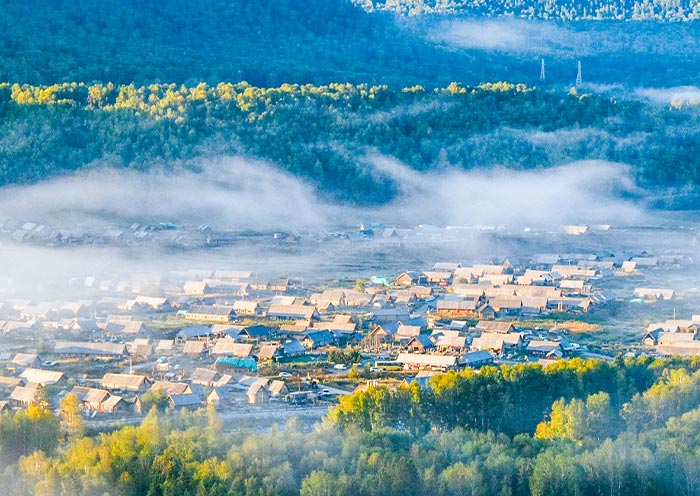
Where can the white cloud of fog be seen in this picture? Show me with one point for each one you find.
(511, 35)
(582, 192)
(235, 193)
(668, 96)
(232, 193)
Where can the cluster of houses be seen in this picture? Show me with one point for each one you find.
(208, 321)
(674, 337)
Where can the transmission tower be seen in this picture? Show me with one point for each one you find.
(579, 79)
(542, 71)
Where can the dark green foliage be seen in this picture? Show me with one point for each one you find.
(327, 135)
(265, 43)
(347, 357)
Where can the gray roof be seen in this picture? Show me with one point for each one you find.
(82, 348)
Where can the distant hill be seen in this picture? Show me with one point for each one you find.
(266, 43)
(566, 10)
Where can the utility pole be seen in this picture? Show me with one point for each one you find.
(579, 79)
(542, 71)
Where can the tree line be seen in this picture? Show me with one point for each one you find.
(327, 134)
(566, 10)
(622, 428)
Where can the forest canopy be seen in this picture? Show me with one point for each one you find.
(622, 428)
(327, 134)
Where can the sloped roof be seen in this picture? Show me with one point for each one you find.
(40, 376)
(92, 396)
(193, 347)
(452, 341)
(477, 357)
(24, 394)
(123, 381)
(268, 351)
(187, 399)
(83, 348)
(171, 387)
(210, 310)
(277, 387)
(203, 375)
(24, 359)
(297, 311)
(424, 341)
(230, 347)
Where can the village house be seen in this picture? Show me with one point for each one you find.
(258, 393)
(165, 347)
(411, 278)
(506, 307)
(210, 314)
(477, 359)
(171, 387)
(97, 400)
(190, 333)
(421, 292)
(25, 360)
(497, 342)
(194, 348)
(438, 278)
(293, 348)
(219, 396)
(317, 339)
(404, 332)
(420, 344)
(24, 395)
(462, 307)
(254, 333)
(654, 293)
(186, 401)
(546, 349)
(140, 349)
(124, 382)
(486, 312)
(278, 389)
(292, 312)
(246, 308)
(426, 361)
(355, 299)
(8, 384)
(123, 326)
(196, 288)
(91, 350)
(452, 344)
(271, 352)
(280, 285)
(43, 377)
(149, 303)
(495, 326)
(209, 378)
(231, 348)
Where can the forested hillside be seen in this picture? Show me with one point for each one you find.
(567, 10)
(264, 43)
(578, 427)
(328, 135)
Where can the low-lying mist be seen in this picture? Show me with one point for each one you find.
(229, 192)
(235, 193)
(582, 192)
